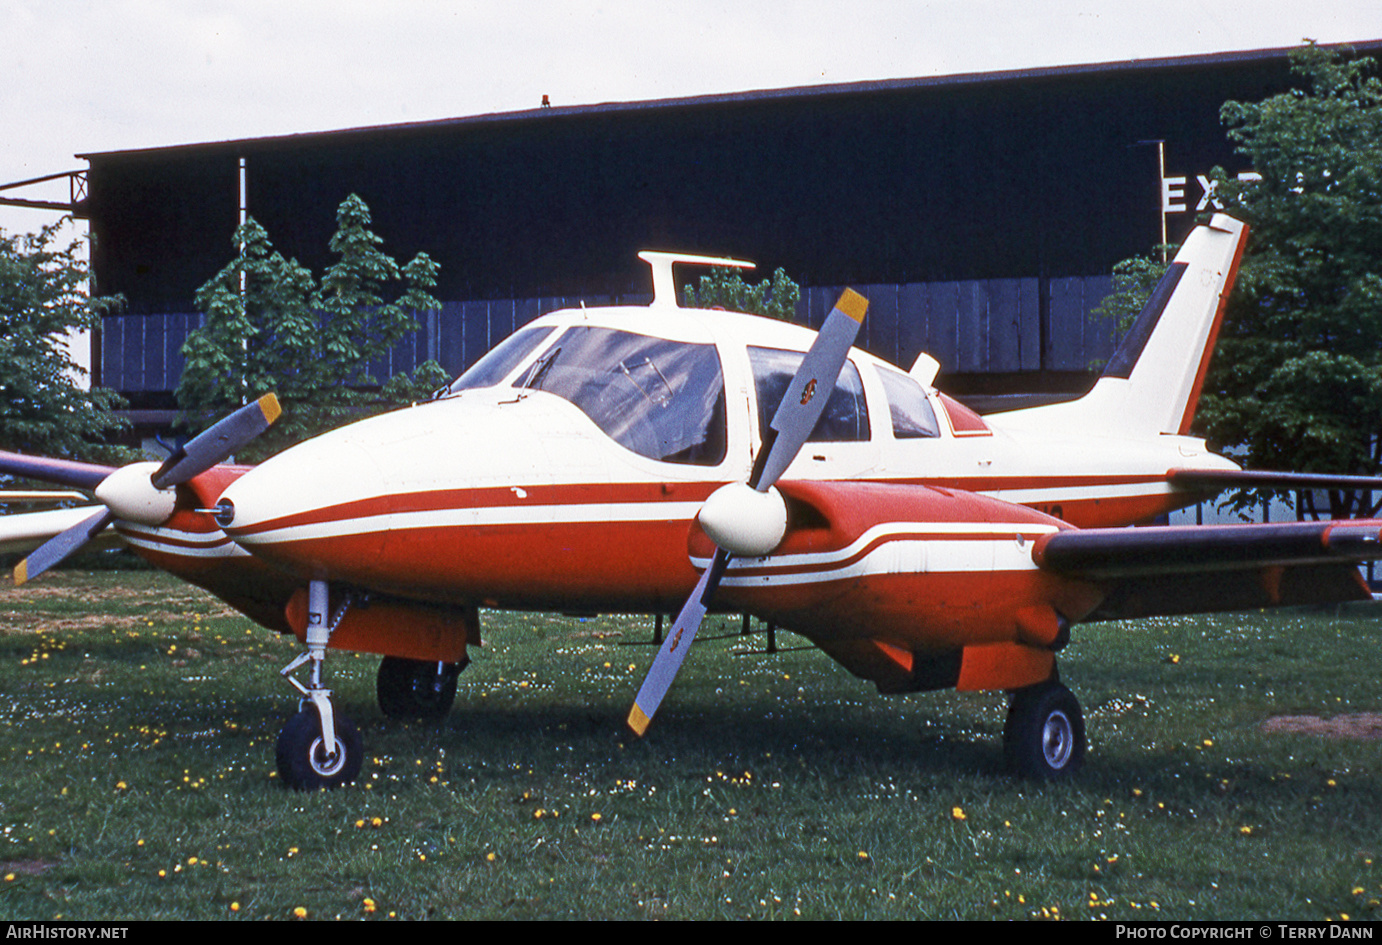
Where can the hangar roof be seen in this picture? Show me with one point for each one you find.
(797, 93)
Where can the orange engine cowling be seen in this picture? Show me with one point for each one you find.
(913, 587)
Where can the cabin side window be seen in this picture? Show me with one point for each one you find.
(661, 399)
(846, 416)
(912, 415)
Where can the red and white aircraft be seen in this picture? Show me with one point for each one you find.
(631, 459)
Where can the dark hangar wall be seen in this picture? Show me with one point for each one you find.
(980, 214)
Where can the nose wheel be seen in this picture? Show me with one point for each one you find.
(1044, 738)
(305, 763)
(318, 748)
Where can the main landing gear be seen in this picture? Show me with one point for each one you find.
(318, 748)
(417, 689)
(1044, 737)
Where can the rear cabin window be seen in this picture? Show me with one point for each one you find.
(661, 399)
(846, 416)
(911, 412)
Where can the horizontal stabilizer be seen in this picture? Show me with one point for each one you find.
(1218, 479)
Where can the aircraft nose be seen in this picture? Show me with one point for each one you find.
(297, 493)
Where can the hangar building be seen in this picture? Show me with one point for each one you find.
(981, 214)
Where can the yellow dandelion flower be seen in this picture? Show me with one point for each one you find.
(300, 912)
(369, 905)
(9, 877)
(490, 857)
(596, 817)
(121, 785)
(958, 813)
(1245, 830)
(235, 907)
(863, 855)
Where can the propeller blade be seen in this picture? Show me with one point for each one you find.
(676, 645)
(796, 417)
(63, 472)
(810, 390)
(61, 545)
(129, 490)
(217, 442)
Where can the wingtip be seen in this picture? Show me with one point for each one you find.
(638, 721)
(853, 304)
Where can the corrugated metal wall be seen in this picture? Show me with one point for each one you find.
(970, 327)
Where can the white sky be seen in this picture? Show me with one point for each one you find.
(109, 75)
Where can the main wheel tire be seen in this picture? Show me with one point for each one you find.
(415, 689)
(304, 764)
(1044, 737)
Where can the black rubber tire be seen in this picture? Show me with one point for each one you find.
(303, 765)
(1044, 738)
(413, 689)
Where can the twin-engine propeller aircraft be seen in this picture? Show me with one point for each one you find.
(630, 459)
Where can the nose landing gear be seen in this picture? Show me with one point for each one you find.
(318, 748)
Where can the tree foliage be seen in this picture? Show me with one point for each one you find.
(271, 326)
(725, 288)
(1296, 382)
(45, 406)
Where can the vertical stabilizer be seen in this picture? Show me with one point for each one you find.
(1152, 383)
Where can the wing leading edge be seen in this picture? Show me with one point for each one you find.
(1171, 570)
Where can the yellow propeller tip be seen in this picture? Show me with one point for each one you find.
(853, 304)
(21, 572)
(638, 721)
(269, 405)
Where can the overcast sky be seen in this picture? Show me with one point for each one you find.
(82, 77)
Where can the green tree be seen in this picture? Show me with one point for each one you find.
(45, 406)
(271, 326)
(1296, 382)
(725, 287)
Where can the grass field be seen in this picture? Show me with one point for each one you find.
(138, 719)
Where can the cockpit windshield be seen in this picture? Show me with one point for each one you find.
(661, 399)
(501, 359)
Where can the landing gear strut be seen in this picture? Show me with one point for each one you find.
(318, 748)
(417, 689)
(1044, 737)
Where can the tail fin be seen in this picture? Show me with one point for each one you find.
(1152, 384)
(1162, 362)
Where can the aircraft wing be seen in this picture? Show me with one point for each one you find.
(23, 532)
(1167, 570)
